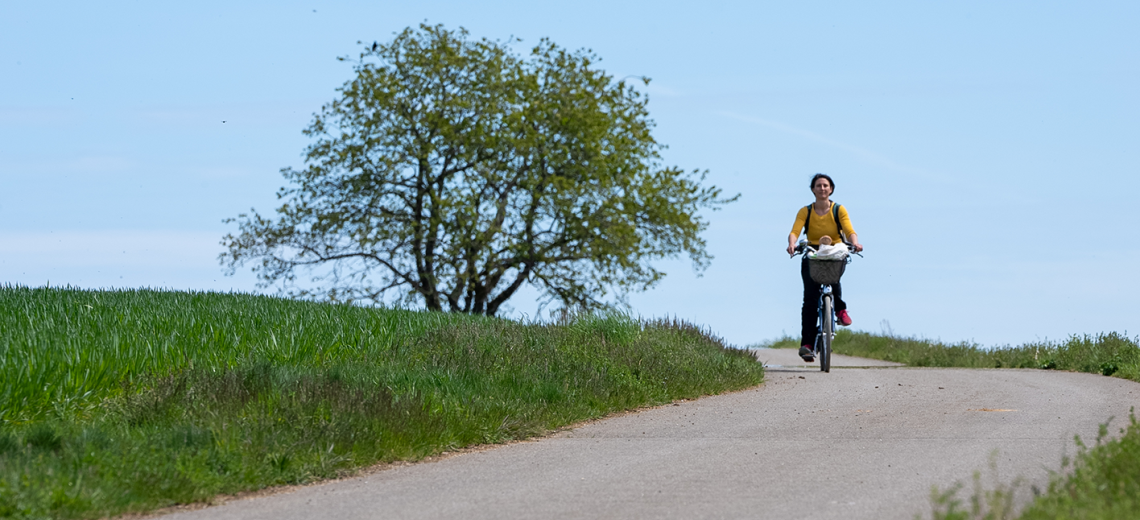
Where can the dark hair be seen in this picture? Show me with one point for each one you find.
(819, 176)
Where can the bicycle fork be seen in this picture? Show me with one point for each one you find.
(825, 292)
(826, 327)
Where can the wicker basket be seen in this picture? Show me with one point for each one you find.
(826, 272)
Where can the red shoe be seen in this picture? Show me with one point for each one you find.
(843, 318)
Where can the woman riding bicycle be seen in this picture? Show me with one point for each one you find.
(827, 221)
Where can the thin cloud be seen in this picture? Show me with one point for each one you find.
(862, 153)
(661, 90)
(122, 248)
(81, 165)
(42, 116)
(223, 172)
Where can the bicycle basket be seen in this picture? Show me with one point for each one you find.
(826, 272)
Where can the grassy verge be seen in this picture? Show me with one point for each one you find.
(1104, 483)
(1101, 482)
(1109, 354)
(121, 401)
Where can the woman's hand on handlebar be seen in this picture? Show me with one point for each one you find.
(791, 250)
(855, 248)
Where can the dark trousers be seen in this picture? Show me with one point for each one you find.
(809, 316)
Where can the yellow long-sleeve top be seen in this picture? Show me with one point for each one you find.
(823, 225)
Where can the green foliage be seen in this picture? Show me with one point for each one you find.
(456, 171)
(994, 502)
(120, 401)
(1104, 482)
(1101, 482)
(1111, 354)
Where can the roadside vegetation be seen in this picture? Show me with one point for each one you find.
(1111, 354)
(1101, 482)
(1104, 482)
(124, 401)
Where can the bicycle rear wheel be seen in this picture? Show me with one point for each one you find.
(825, 334)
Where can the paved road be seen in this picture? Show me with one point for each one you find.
(856, 443)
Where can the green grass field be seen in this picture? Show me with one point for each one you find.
(123, 401)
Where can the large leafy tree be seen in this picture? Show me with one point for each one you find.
(452, 172)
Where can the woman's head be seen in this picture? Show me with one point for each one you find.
(822, 181)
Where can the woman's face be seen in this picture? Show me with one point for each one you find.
(821, 188)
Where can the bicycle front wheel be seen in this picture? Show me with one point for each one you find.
(825, 334)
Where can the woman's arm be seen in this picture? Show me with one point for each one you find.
(845, 225)
(801, 221)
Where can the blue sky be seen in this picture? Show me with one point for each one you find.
(987, 151)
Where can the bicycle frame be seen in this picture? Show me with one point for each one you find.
(826, 327)
(825, 310)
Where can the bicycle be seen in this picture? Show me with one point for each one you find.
(825, 273)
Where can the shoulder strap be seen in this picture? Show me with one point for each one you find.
(838, 225)
(807, 220)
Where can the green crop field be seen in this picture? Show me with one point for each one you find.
(121, 401)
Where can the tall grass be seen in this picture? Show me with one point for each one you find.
(1112, 354)
(119, 401)
(1104, 482)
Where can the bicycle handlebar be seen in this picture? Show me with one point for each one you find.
(802, 247)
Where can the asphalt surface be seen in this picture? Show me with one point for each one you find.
(866, 442)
